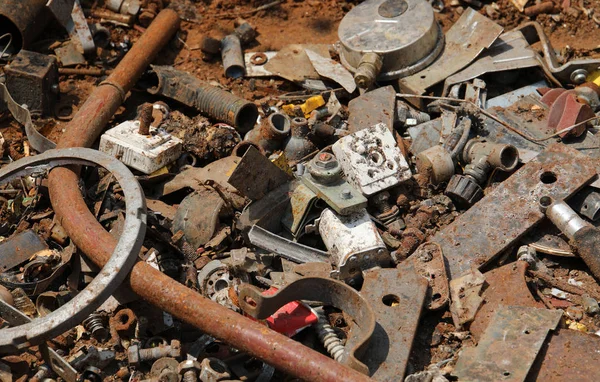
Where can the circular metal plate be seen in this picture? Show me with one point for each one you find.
(404, 32)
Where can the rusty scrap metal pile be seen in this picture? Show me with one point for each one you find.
(425, 208)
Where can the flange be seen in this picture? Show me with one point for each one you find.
(403, 32)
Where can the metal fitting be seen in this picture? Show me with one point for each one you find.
(136, 356)
(436, 163)
(189, 369)
(145, 118)
(501, 156)
(579, 76)
(325, 168)
(245, 32)
(368, 69)
(213, 370)
(562, 216)
(298, 145)
(271, 132)
(233, 59)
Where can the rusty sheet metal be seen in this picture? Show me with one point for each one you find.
(377, 106)
(429, 262)
(329, 292)
(255, 175)
(293, 64)
(511, 210)
(503, 286)
(19, 248)
(467, 38)
(569, 355)
(509, 346)
(397, 297)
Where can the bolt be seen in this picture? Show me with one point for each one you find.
(579, 76)
(136, 355)
(145, 118)
(325, 160)
(346, 194)
(189, 370)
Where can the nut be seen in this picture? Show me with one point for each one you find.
(213, 370)
(188, 365)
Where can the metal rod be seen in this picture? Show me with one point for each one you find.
(150, 284)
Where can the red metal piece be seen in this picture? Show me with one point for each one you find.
(149, 283)
(566, 110)
(291, 318)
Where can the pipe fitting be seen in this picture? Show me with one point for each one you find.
(233, 59)
(436, 163)
(501, 156)
(368, 69)
(564, 218)
(271, 132)
(298, 145)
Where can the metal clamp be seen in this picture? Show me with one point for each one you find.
(325, 290)
(116, 269)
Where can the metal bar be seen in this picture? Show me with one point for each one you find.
(149, 283)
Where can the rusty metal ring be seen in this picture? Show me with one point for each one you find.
(329, 292)
(259, 59)
(112, 274)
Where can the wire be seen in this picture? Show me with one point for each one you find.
(7, 45)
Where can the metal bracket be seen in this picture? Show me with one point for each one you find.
(329, 292)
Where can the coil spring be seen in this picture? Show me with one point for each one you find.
(94, 325)
(328, 336)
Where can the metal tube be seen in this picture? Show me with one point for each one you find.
(233, 59)
(24, 20)
(565, 219)
(149, 283)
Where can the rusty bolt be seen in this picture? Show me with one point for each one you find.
(136, 355)
(145, 118)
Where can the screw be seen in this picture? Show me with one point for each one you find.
(579, 76)
(136, 355)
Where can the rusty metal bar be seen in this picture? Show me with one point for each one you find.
(149, 283)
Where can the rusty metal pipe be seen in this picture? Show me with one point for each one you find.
(24, 20)
(149, 283)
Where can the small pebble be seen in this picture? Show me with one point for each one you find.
(590, 305)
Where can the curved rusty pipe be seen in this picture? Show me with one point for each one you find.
(149, 283)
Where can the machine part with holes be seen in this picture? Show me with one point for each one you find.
(371, 108)
(571, 107)
(371, 159)
(465, 40)
(324, 179)
(114, 272)
(215, 279)
(587, 203)
(213, 370)
(24, 20)
(353, 242)
(36, 140)
(329, 292)
(32, 81)
(146, 153)
(509, 346)
(19, 248)
(285, 248)
(511, 209)
(403, 34)
(232, 56)
(331, 69)
(397, 297)
(582, 235)
(149, 283)
(60, 366)
(271, 132)
(436, 164)
(69, 14)
(210, 100)
(428, 261)
(299, 145)
(255, 175)
(198, 216)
